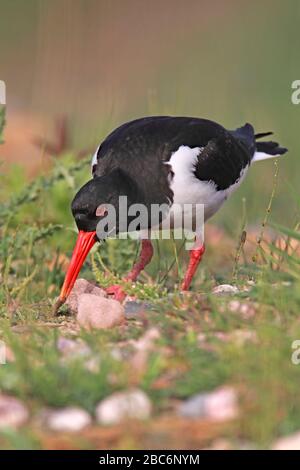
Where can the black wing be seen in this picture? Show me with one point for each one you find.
(141, 147)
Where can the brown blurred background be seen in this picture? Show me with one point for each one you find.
(98, 63)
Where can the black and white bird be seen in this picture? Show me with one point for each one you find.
(163, 160)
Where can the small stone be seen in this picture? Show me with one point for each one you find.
(193, 407)
(225, 444)
(65, 345)
(120, 406)
(220, 444)
(222, 404)
(82, 286)
(13, 412)
(246, 310)
(225, 289)
(6, 354)
(71, 348)
(69, 419)
(136, 310)
(98, 312)
(291, 442)
(147, 341)
(10, 356)
(219, 405)
(143, 347)
(95, 290)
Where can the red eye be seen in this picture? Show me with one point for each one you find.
(101, 211)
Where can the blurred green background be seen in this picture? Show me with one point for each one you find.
(99, 63)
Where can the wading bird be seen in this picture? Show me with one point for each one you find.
(162, 160)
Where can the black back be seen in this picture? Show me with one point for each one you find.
(142, 147)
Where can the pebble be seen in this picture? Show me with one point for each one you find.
(82, 286)
(13, 412)
(71, 348)
(99, 312)
(143, 347)
(225, 289)
(291, 442)
(120, 406)
(219, 405)
(69, 419)
(136, 310)
(246, 310)
(147, 341)
(220, 444)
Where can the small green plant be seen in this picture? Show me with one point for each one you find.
(105, 278)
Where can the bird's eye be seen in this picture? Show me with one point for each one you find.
(83, 210)
(101, 211)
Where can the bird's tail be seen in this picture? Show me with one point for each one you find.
(267, 149)
(259, 150)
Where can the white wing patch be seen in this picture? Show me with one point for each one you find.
(94, 159)
(184, 184)
(188, 189)
(258, 156)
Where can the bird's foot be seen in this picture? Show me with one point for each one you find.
(116, 292)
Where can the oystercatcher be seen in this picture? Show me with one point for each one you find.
(163, 160)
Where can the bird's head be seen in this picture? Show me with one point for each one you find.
(91, 206)
(91, 202)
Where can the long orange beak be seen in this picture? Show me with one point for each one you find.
(85, 242)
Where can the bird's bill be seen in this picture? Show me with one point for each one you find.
(85, 241)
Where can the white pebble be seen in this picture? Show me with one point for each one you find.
(13, 412)
(69, 419)
(291, 442)
(225, 289)
(219, 405)
(123, 405)
(246, 310)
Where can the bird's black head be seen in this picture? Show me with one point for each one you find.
(92, 201)
(89, 207)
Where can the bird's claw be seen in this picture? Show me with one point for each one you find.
(117, 292)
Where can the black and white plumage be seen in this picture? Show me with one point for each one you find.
(168, 160)
(181, 159)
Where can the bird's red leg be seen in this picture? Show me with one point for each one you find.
(144, 258)
(195, 258)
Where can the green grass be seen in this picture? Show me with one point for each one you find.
(37, 229)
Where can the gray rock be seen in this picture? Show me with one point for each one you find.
(136, 310)
(194, 407)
